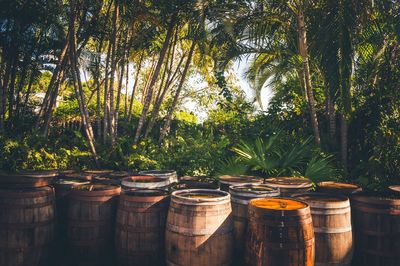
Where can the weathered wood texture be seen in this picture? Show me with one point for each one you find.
(290, 185)
(91, 216)
(331, 217)
(240, 197)
(199, 228)
(280, 232)
(26, 225)
(377, 230)
(140, 227)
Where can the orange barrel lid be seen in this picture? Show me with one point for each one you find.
(278, 204)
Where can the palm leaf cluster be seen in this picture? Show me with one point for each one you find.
(277, 156)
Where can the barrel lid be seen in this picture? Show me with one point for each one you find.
(199, 196)
(333, 184)
(27, 178)
(253, 189)
(195, 185)
(158, 172)
(71, 182)
(239, 179)
(198, 178)
(145, 192)
(289, 182)
(395, 188)
(118, 174)
(30, 173)
(78, 176)
(96, 190)
(98, 172)
(278, 204)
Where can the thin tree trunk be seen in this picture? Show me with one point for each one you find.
(4, 91)
(28, 91)
(126, 87)
(116, 114)
(154, 78)
(343, 141)
(302, 36)
(78, 84)
(134, 87)
(178, 91)
(331, 116)
(106, 103)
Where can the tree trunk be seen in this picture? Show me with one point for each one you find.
(343, 141)
(4, 91)
(331, 116)
(154, 78)
(78, 84)
(134, 87)
(178, 91)
(113, 70)
(126, 87)
(302, 38)
(106, 103)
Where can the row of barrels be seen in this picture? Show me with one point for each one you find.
(249, 226)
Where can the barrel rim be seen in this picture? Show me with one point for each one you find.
(237, 179)
(307, 184)
(375, 199)
(353, 185)
(225, 196)
(343, 203)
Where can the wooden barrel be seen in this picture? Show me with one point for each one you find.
(227, 180)
(63, 188)
(240, 197)
(290, 185)
(199, 228)
(140, 227)
(280, 232)
(26, 225)
(144, 182)
(331, 217)
(171, 175)
(377, 230)
(338, 188)
(27, 178)
(91, 216)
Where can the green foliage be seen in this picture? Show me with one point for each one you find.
(278, 156)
